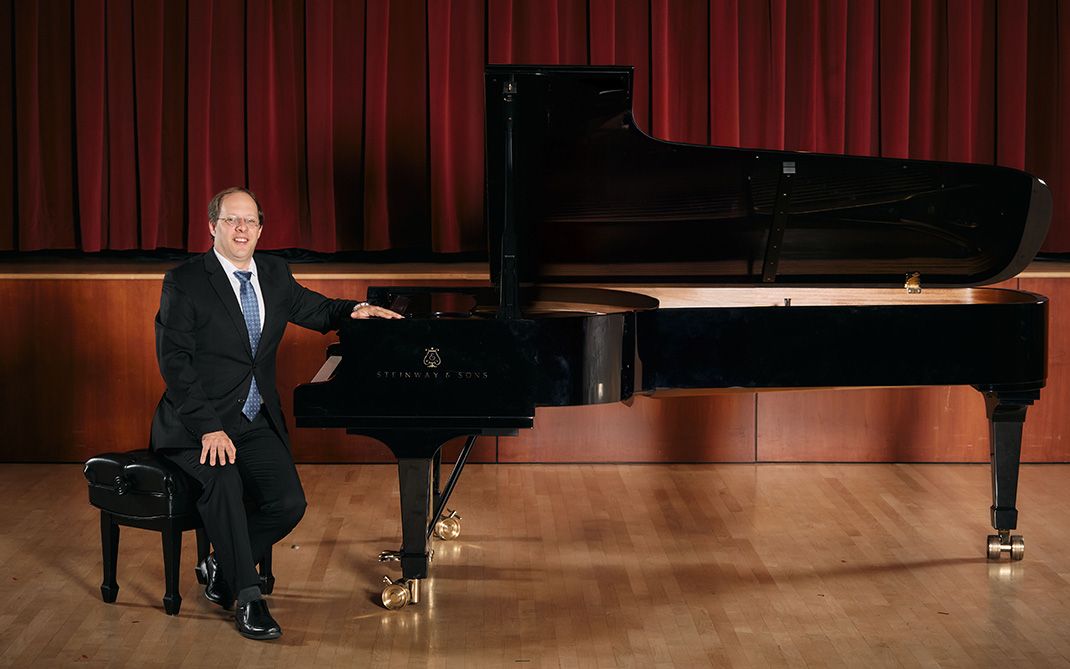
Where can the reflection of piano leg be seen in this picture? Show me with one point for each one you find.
(1006, 416)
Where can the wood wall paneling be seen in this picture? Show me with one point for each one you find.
(78, 376)
(711, 428)
(1047, 423)
(938, 424)
(942, 424)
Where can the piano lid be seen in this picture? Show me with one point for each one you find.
(589, 197)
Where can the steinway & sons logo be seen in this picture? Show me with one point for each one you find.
(432, 362)
(432, 359)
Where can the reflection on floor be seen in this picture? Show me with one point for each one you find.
(578, 565)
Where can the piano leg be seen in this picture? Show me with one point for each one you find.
(419, 455)
(1006, 416)
(414, 481)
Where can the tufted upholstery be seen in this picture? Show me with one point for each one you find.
(140, 484)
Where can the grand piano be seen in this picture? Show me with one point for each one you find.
(623, 265)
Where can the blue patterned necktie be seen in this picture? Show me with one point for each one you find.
(251, 310)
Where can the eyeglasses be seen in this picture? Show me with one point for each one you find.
(233, 221)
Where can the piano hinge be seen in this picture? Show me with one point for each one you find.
(509, 89)
(913, 283)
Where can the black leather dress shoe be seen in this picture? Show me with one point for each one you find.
(255, 622)
(215, 591)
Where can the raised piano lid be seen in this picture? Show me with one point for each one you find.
(596, 200)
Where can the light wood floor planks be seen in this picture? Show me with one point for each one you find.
(578, 566)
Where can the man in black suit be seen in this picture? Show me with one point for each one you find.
(222, 316)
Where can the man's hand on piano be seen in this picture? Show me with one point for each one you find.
(365, 310)
(217, 446)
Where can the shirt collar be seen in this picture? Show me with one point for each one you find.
(231, 268)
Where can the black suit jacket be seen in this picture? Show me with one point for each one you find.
(203, 349)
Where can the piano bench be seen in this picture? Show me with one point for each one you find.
(142, 489)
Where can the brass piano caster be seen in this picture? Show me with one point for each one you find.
(448, 526)
(400, 593)
(1005, 543)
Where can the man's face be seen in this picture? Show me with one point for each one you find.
(234, 231)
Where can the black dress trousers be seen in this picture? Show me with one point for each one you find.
(264, 473)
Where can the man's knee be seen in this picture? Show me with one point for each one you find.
(286, 510)
(292, 509)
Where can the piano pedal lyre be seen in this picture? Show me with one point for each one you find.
(448, 526)
(1005, 543)
(401, 592)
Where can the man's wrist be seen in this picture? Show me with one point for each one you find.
(361, 305)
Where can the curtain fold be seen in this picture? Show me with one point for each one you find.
(395, 126)
(91, 122)
(160, 84)
(275, 121)
(8, 214)
(1058, 174)
(215, 110)
(862, 108)
(359, 123)
(549, 32)
(679, 45)
(619, 35)
(44, 125)
(455, 88)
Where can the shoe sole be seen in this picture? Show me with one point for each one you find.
(257, 637)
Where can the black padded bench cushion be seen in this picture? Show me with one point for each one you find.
(140, 484)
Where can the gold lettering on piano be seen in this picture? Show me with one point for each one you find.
(467, 375)
(419, 374)
(426, 375)
(432, 360)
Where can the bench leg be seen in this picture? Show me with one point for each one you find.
(267, 579)
(204, 547)
(172, 558)
(109, 543)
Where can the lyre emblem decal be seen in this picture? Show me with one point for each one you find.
(431, 358)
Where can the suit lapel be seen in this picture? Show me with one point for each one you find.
(221, 284)
(270, 286)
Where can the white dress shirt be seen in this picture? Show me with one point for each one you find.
(235, 283)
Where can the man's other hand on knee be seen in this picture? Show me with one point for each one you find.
(217, 447)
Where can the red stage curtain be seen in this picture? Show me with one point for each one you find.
(7, 136)
(359, 122)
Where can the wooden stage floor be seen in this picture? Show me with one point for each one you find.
(577, 566)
